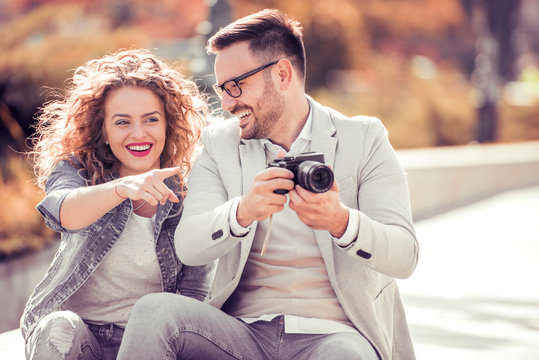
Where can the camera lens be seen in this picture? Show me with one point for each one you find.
(314, 176)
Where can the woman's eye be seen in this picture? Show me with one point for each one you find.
(153, 119)
(121, 122)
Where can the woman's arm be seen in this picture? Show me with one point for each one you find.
(85, 205)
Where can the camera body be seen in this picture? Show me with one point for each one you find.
(309, 169)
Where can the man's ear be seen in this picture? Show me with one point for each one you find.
(285, 72)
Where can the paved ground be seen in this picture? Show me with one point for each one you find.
(475, 292)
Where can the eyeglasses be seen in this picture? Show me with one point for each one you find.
(232, 86)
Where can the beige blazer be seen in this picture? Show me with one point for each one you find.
(372, 182)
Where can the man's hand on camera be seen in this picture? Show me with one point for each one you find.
(260, 202)
(320, 211)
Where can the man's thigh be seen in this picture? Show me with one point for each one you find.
(176, 326)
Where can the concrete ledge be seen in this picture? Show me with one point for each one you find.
(444, 178)
(12, 345)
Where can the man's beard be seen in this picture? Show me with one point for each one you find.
(263, 123)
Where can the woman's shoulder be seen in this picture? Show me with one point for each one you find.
(69, 167)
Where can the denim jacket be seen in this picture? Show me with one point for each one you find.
(81, 251)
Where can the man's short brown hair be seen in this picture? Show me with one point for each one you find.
(271, 35)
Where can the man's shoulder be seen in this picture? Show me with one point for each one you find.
(356, 125)
(339, 119)
(222, 132)
(365, 120)
(218, 126)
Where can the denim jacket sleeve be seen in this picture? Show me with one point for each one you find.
(63, 179)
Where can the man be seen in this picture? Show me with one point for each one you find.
(301, 275)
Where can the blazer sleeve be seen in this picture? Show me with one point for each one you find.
(386, 240)
(203, 234)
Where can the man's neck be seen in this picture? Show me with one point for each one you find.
(290, 124)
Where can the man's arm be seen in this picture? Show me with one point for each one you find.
(385, 239)
(204, 232)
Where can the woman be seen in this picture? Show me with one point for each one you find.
(112, 156)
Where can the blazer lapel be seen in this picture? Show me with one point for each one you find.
(252, 161)
(324, 141)
(323, 131)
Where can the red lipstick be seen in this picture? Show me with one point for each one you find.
(139, 149)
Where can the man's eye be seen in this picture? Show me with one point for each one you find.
(230, 86)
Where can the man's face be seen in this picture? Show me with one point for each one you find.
(260, 105)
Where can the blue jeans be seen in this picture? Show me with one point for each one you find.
(170, 326)
(64, 335)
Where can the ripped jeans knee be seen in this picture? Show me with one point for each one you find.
(62, 335)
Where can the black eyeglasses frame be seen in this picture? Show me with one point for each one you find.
(219, 89)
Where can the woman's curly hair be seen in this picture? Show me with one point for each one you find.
(72, 128)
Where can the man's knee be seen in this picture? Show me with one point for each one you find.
(345, 346)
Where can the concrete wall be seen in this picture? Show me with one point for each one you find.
(444, 178)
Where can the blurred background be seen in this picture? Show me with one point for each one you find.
(438, 73)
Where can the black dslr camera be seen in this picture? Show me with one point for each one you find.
(309, 170)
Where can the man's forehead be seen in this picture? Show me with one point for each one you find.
(233, 61)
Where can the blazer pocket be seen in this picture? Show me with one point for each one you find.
(388, 287)
(384, 305)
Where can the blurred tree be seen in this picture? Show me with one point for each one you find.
(354, 32)
(39, 50)
(219, 17)
(46, 39)
(493, 23)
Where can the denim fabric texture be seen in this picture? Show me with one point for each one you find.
(169, 327)
(80, 252)
(73, 339)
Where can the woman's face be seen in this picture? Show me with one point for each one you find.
(135, 128)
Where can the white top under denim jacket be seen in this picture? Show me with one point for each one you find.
(81, 251)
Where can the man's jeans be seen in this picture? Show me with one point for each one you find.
(170, 326)
(64, 335)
